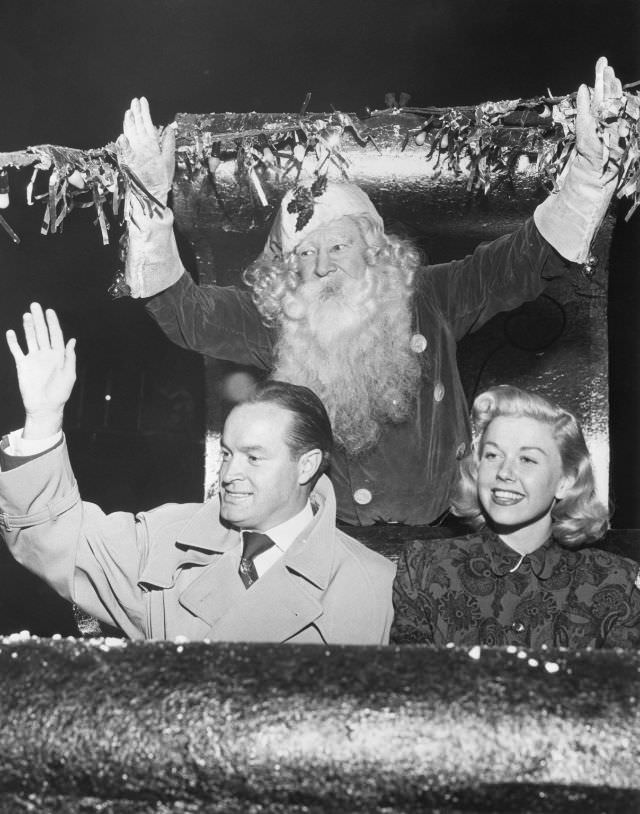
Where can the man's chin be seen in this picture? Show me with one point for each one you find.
(234, 511)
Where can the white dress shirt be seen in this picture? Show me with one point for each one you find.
(283, 536)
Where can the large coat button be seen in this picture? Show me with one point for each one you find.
(418, 343)
(362, 496)
(462, 448)
(438, 392)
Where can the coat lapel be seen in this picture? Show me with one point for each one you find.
(199, 539)
(280, 604)
(276, 607)
(273, 609)
(215, 591)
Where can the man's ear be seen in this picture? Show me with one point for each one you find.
(308, 464)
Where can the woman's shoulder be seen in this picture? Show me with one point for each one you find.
(440, 548)
(616, 567)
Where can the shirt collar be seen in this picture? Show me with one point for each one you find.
(285, 533)
(504, 559)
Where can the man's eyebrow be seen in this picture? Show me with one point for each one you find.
(248, 448)
(252, 448)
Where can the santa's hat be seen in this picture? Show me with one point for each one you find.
(306, 208)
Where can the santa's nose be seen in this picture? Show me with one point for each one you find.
(324, 265)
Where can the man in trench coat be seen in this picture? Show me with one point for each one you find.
(262, 561)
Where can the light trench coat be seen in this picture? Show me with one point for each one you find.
(173, 571)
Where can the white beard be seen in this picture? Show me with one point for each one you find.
(348, 341)
(330, 307)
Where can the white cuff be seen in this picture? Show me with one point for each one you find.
(153, 263)
(571, 216)
(22, 447)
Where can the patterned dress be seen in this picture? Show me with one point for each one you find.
(476, 590)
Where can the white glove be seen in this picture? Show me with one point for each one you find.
(152, 263)
(571, 215)
(147, 154)
(604, 102)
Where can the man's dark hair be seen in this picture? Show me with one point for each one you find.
(310, 426)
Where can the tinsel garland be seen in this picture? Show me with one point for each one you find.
(482, 142)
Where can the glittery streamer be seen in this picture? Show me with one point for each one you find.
(258, 187)
(30, 187)
(9, 230)
(51, 211)
(101, 219)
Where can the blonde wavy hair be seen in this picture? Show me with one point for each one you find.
(271, 279)
(579, 517)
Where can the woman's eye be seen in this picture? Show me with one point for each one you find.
(339, 247)
(526, 460)
(490, 456)
(225, 454)
(306, 253)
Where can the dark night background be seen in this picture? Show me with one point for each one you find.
(69, 70)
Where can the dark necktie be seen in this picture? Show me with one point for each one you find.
(253, 543)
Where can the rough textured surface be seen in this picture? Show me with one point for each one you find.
(107, 726)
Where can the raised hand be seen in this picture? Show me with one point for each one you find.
(46, 372)
(149, 157)
(596, 141)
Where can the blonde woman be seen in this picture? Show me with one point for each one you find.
(524, 575)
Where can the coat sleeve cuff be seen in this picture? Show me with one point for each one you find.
(39, 490)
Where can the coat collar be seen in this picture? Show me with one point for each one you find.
(196, 541)
(204, 538)
(283, 601)
(504, 560)
(312, 553)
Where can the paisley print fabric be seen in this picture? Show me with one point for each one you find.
(476, 590)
